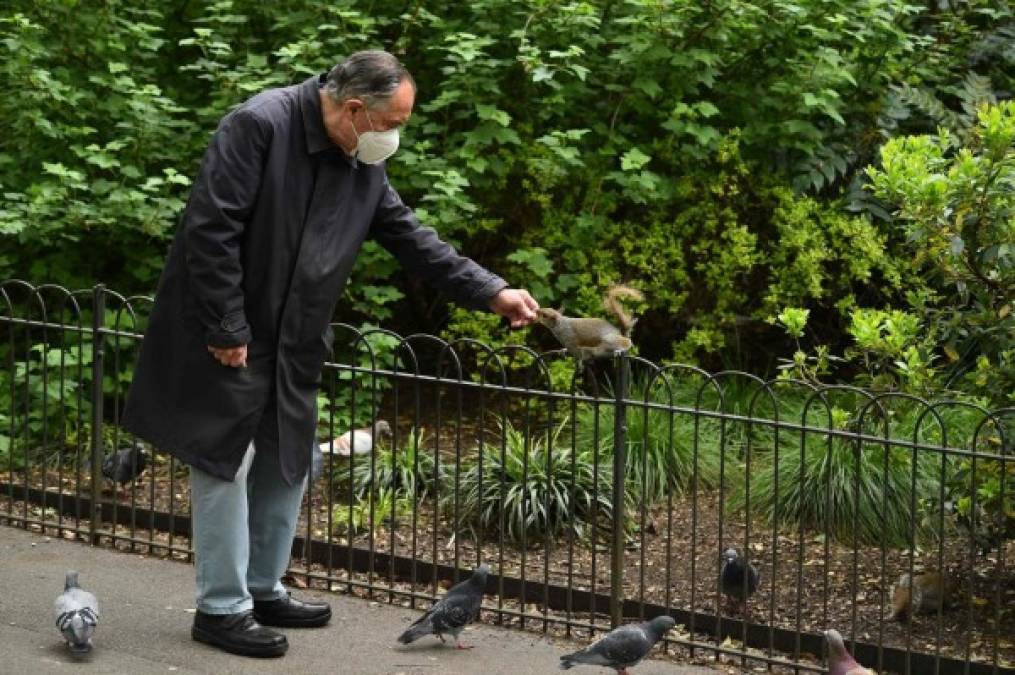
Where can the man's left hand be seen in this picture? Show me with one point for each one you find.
(517, 305)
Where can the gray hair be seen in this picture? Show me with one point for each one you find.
(372, 75)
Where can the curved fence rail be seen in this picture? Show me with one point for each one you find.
(598, 492)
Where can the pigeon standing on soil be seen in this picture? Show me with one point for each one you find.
(357, 441)
(623, 647)
(77, 613)
(734, 583)
(453, 612)
(840, 661)
(125, 465)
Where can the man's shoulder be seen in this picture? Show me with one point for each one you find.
(271, 106)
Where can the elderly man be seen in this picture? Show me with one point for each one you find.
(291, 185)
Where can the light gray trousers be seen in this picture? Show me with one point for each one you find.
(243, 533)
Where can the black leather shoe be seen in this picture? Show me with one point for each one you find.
(238, 633)
(288, 612)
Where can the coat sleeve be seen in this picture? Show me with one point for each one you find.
(422, 253)
(221, 203)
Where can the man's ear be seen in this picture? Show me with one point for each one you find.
(355, 104)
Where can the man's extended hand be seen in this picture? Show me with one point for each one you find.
(517, 305)
(232, 356)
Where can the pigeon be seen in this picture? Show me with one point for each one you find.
(732, 578)
(840, 661)
(357, 441)
(125, 465)
(623, 647)
(453, 612)
(77, 613)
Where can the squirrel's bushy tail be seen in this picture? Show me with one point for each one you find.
(612, 304)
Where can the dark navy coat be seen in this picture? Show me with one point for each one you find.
(275, 219)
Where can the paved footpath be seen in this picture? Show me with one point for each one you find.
(147, 608)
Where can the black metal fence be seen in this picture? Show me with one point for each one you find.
(509, 456)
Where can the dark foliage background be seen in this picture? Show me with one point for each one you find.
(710, 153)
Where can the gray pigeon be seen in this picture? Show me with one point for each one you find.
(77, 613)
(623, 647)
(126, 464)
(738, 580)
(453, 612)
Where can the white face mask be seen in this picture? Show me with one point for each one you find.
(373, 147)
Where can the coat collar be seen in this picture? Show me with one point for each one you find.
(313, 120)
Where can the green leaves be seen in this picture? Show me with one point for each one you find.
(633, 159)
(489, 112)
(955, 210)
(60, 171)
(103, 153)
(534, 488)
(535, 271)
(566, 145)
(794, 320)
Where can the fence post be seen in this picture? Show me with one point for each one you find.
(98, 354)
(619, 474)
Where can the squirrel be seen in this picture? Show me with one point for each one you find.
(931, 591)
(594, 338)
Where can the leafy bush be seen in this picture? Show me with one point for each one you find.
(954, 206)
(346, 398)
(981, 500)
(28, 408)
(892, 350)
(97, 157)
(45, 390)
(537, 490)
(571, 144)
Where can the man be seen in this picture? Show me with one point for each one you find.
(290, 186)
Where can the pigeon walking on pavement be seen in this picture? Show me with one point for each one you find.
(125, 465)
(77, 613)
(840, 661)
(453, 612)
(738, 580)
(623, 647)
